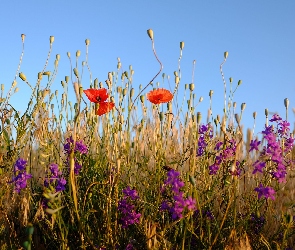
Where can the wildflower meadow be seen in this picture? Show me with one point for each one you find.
(119, 169)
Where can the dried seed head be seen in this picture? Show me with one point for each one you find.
(96, 83)
(87, 42)
(211, 93)
(22, 76)
(100, 85)
(181, 45)
(124, 91)
(150, 34)
(57, 57)
(68, 54)
(191, 86)
(199, 117)
(51, 39)
(237, 118)
(78, 53)
(131, 92)
(243, 106)
(254, 114)
(239, 82)
(175, 73)
(230, 79)
(66, 79)
(225, 54)
(76, 72)
(286, 102)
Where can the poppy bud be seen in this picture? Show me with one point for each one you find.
(199, 117)
(78, 53)
(124, 91)
(211, 93)
(175, 73)
(119, 90)
(23, 37)
(216, 122)
(57, 57)
(266, 112)
(176, 80)
(239, 82)
(46, 73)
(191, 86)
(169, 106)
(87, 42)
(100, 85)
(161, 116)
(126, 74)
(201, 99)
(68, 54)
(14, 83)
(218, 118)
(76, 72)
(22, 76)
(181, 45)
(142, 98)
(243, 106)
(186, 86)
(237, 118)
(96, 83)
(230, 79)
(80, 91)
(66, 79)
(150, 34)
(225, 54)
(51, 39)
(254, 114)
(131, 92)
(234, 105)
(118, 65)
(286, 102)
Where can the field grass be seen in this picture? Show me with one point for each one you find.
(138, 176)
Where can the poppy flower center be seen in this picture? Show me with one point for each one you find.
(98, 99)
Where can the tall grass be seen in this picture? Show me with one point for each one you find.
(138, 177)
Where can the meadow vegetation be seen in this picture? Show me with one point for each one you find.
(119, 168)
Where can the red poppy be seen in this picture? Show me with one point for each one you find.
(159, 96)
(99, 96)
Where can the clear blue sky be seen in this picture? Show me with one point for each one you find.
(259, 36)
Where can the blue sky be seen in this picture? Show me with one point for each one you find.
(259, 36)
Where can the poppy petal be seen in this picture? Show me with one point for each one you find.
(159, 96)
(96, 95)
(104, 107)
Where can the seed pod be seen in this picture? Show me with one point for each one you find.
(225, 54)
(78, 53)
(46, 73)
(22, 76)
(181, 45)
(186, 86)
(176, 80)
(230, 79)
(87, 42)
(124, 91)
(131, 92)
(119, 90)
(191, 86)
(234, 105)
(51, 39)
(142, 97)
(57, 57)
(126, 74)
(286, 102)
(161, 116)
(150, 34)
(76, 72)
(96, 83)
(66, 79)
(100, 85)
(239, 82)
(201, 99)
(199, 117)
(266, 112)
(243, 106)
(68, 54)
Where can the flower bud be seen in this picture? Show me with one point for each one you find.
(22, 76)
(16, 89)
(175, 73)
(150, 34)
(176, 80)
(266, 112)
(100, 85)
(234, 105)
(191, 86)
(78, 53)
(225, 54)
(51, 39)
(186, 86)
(243, 106)
(119, 90)
(87, 42)
(131, 92)
(14, 83)
(142, 98)
(181, 45)
(286, 102)
(2, 87)
(46, 73)
(96, 83)
(239, 82)
(68, 54)
(124, 91)
(76, 72)
(201, 99)
(161, 116)
(237, 118)
(230, 79)
(57, 57)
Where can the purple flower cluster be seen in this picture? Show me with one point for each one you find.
(225, 154)
(55, 177)
(80, 148)
(174, 201)
(257, 223)
(267, 192)
(126, 207)
(205, 133)
(21, 176)
(278, 144)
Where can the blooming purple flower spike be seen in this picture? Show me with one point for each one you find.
(267, 192)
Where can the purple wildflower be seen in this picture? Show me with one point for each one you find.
(213, 169)
(254, 145)
(275, 118)
(55, 178)
(218, 145)
(283, 128)
(258, 167)
(267, 192)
